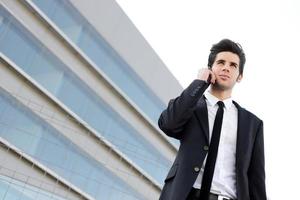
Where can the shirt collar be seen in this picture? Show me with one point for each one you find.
(212, 100)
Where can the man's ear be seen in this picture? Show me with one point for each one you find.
(239, 78)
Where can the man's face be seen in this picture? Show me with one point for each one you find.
(226, 68)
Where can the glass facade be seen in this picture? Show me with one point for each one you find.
(77, 29)
(34, 59)
(36, 138)
(11, 189)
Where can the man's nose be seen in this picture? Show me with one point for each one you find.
(226, 67)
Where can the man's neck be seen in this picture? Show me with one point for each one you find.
(220, 94)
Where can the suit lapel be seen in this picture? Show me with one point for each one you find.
(242, 118)
(241, 143)
(202, 116)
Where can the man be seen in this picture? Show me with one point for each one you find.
(221, 154)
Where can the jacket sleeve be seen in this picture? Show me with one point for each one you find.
(180, 109)
(256, 172)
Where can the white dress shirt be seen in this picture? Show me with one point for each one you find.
(224, 179)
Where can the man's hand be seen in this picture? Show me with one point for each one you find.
(205, 73)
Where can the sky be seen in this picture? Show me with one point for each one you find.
(182, 32)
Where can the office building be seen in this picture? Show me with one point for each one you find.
(80, 94)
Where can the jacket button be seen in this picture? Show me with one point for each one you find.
(196, 169)
(205, 148)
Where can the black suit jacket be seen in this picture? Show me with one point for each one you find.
(186, 119)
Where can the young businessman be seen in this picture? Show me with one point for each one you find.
(221, 154)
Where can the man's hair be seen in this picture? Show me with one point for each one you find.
(227, 45)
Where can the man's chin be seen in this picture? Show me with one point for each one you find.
(219, 86)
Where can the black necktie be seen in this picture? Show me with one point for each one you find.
(212, 153)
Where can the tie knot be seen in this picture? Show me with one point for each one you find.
(221, 104)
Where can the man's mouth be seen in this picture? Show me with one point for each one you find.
(224, 76)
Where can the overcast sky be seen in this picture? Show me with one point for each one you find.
(182, 32)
